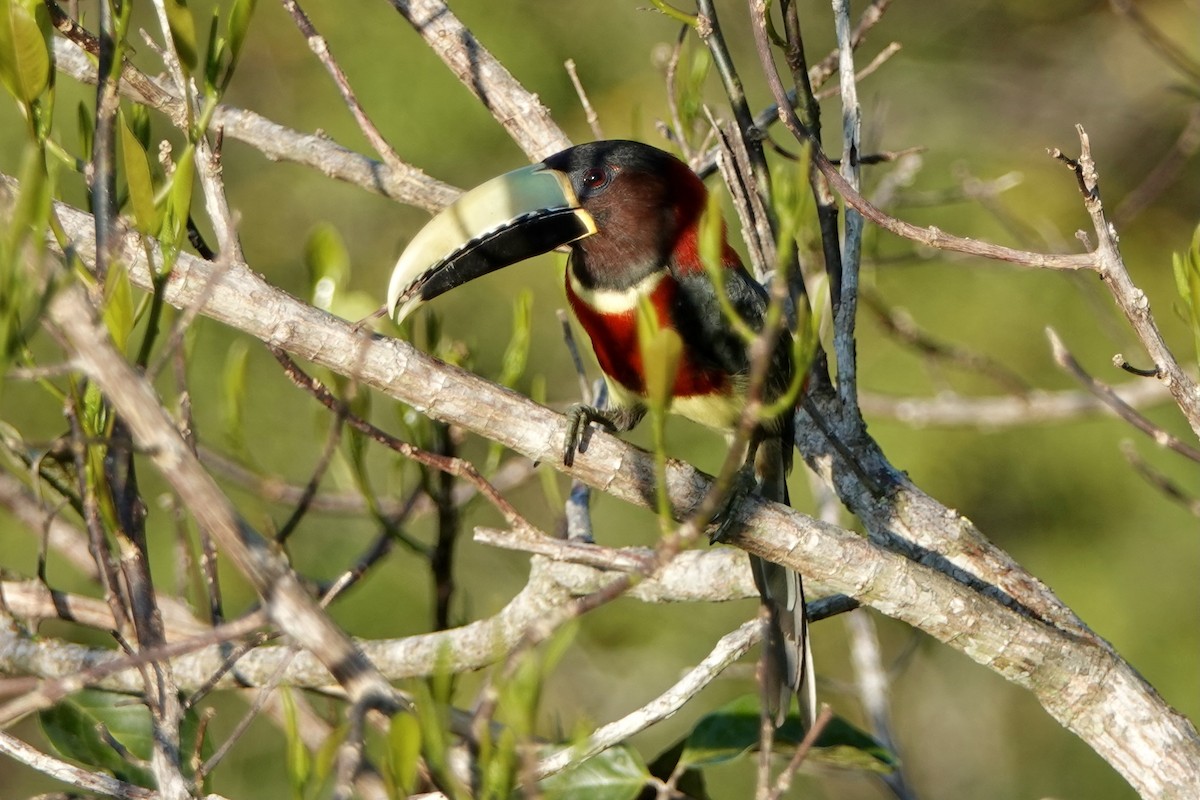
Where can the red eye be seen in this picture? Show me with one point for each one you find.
(595, 178)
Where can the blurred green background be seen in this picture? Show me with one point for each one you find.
(985, 87)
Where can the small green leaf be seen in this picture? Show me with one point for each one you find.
(147, 218)
(498, 762)
(234, 395)
(733, 730)
(1186, 267)
(24, 48)
(723, 735)
(179, 198)
(661, 350)
(239, 25)
(183, 32)
(616, 774)
(73, 726)
(328, 264)
(326, 755)
(516, 355)
(299, 764)
(87, 129)
(214, 53)
(404, 753)
(843, 745)
(118, 304)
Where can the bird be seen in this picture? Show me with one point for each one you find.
(630, 214)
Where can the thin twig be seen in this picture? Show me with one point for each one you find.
(593, 121)
(1163, 438)
(453, 466)
(728, 649)
(320, 48)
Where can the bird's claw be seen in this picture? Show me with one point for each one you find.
(579, 416)
(723, 522)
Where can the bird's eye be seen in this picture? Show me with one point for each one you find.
(595, 178)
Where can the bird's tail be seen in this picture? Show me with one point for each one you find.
(788, 667)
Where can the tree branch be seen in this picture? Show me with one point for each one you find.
(1075, 675)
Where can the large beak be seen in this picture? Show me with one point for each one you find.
(510, 218)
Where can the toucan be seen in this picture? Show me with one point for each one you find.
(631, 216)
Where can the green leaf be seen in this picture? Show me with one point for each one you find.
(616, 774)
(723, 735)
(214, 53)
(183, 32)
(24, 48)
(326, 755)
(179, 198)
(239, 25)
(516, 355)
(661, 350)
(731, 731)
(118, 304)
(844, 745)
(404, 753)
(87, 127)
(21, 241)
(146, 216)
(690, 782)
(299, 764)
(328, 264)
(73, 726)
(234, 395)
(1186, 267)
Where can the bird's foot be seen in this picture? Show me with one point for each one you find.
(579, 416)
(723, 522)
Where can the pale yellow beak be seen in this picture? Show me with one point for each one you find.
(508, 219)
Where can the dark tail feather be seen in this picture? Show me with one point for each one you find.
(788, 667)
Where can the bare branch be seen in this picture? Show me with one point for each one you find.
(1129, 298)
(518, 111)
(730, 648)
(1107, 396)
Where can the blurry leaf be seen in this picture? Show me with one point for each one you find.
(616, 774)
(516, 355)
(24, 232)
(690, 782)
(94, 418)
(24, 48)
(723, 735)
(661, 350)
(118, 304)
(183, 32)
(433, 717)
(239, 26)
(498, 762)
(214, 52)
(328, 264)
(326, 755)
(146, 216)
(179, 198)
(87, 129)
(138, 118)
(733, 730)
(234, 393)
(73, 727)
(404, 753)
(1187, 284)
(844, 745)
(299, 764)
(690, 91)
